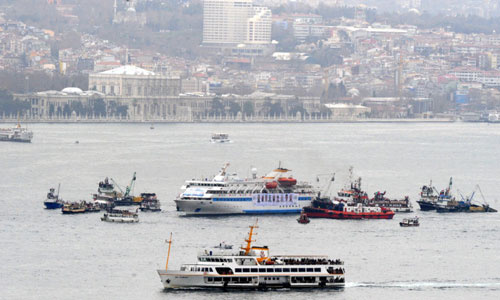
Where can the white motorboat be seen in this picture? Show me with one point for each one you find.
(220, 138)
(252, 267)
(120, 216)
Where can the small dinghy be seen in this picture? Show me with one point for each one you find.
(303, 219)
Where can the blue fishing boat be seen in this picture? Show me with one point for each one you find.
(53, 201)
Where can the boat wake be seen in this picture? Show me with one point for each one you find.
(424, 285)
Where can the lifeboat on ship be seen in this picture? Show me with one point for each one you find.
(287, 181)
(271, 185)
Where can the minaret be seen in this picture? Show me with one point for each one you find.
(115, 6)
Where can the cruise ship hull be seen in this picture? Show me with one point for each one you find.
(186, 280)
(211, 207)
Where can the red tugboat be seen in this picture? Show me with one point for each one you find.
(355, 195)
(325, 208)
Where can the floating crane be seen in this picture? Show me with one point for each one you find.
(128, 189)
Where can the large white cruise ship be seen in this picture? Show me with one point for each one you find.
(251, 267)
(277, 192)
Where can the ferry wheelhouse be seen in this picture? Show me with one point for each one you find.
(252, 267)
(277, 192)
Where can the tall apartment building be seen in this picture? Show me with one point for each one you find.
(235, 22)
(259, 26)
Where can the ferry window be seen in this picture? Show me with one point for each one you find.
(262, 270)
(302, 269)
(229, 260)
(217, 279)
(211, 270)
(286, 270)
(277, 270)
(210, 279)
(309, 269)
(238, 270)
(217, 260)
(246, 270)
(255, 270)
(317, 269)
(294, 269)
(270, 270)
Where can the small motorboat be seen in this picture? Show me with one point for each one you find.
(149, 202)
(152, 127)
(120, 216)
(220, 138)
(409, 222)
(73, 208)
(303, 219)
(53, 200)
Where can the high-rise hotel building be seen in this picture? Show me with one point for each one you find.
(235, 22)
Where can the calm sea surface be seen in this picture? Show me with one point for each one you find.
(47, 255)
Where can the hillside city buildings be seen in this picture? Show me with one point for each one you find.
(345, 68)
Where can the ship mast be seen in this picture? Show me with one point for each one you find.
(249, 239)
(168, 255)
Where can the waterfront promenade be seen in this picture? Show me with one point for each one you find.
(228, 119)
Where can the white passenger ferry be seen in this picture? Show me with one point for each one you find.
(252, 267)
(16, 134)
(277, 192)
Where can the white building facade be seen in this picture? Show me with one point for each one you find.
(235, 22)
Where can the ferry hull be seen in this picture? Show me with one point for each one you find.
(199, 281)
(209, 207)
(15, 140)
(333, 214)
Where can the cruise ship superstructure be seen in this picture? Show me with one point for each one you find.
(252, 267)
(277, 192)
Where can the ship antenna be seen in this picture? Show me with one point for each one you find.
(169, 245)
(249, 239)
